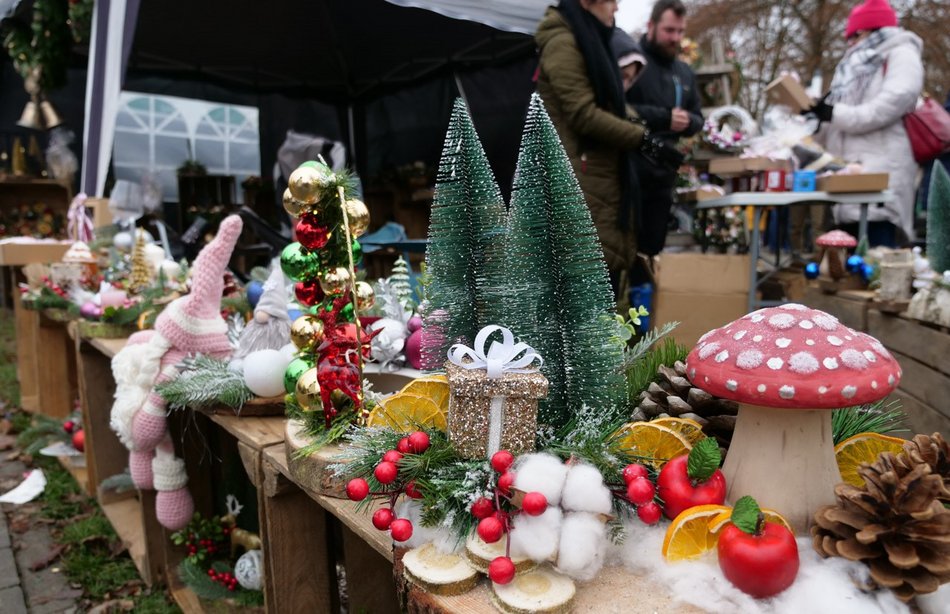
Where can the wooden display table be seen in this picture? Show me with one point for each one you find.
(46, 363)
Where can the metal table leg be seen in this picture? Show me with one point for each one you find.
(863, 223)
(754, 253)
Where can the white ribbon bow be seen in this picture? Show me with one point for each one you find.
(501, 358)
(78, 225)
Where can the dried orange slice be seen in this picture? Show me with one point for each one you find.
(406, 412)
(690, 429)
(863, 448)
(650, 443)
(689, 535)
(432, 387)
(720, 521)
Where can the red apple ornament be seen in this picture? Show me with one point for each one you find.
(692, 479)
(760, 558)
(79, 440)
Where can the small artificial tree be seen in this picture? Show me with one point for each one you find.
(559, 299)
(464, 259)
(938, 219)
(401, 283)
(140, 277)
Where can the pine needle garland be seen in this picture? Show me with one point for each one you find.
(642, 370)
(883, 417)
(204, 382)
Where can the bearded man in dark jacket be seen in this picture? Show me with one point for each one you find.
(664, 96)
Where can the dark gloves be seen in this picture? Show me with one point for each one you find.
(660, 152)
(821, 109)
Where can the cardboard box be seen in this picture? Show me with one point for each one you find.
(704, 273)
(868, 182)
(726, 166)
(706, 192)
(99, 210)
(786, 90)
(20, 252)
(739, 166)
(697, 313)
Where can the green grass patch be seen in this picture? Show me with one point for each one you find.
(9, 386)
(61, 498)
(154, 603)
(97, 571)
(94, 527)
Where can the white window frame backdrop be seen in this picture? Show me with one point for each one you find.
(172, 129)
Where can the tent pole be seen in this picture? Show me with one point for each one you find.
(351, 128)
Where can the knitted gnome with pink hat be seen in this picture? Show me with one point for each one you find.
(189, 325)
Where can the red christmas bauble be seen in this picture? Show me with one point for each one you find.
(411, 491)
(649, 513)
(383, 518)
(501, 460)
(418, 442)
(501, 570)
(357, 489)
(490, 529)
(403, 446)
(311, 233)
(640, 491)
(401, 529)
(69, 426)
(392, 456)
(634, 471)
(534, 504)
(79, 440)
(483, 508)
(309, 293)
(505, 481)
(386, 472)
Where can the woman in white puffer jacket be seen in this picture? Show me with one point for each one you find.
(877, 82)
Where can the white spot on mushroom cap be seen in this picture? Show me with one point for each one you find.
(757, 338)
(806, 324)
(803, 363)
(849, 391)
(830, 363)
(833, 340)
(825, 321)
(870, 356)
(794, 307)
(708, 350)
(749, 359)
(775, 363)
(782, 321)
(706, 335)
(786, 391)
(739, 335)
(783, 342)
(874, 384)
(692, 373)
(877, 347)
(854, 359)
(722, 356)
(809, 342)
(822, 389)
(732, 384)
(890, 379)
(761, 388)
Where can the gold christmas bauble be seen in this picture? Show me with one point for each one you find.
(358, 215)
(306, 183)
(291, 205)
(335, 280)
(307, 391)
(306, 332)
(365, 297)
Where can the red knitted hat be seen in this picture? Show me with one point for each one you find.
(193, 323)
(871, 15)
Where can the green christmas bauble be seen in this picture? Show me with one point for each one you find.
(295, 369)
(357, 252)
(347, 312)
(298, 263)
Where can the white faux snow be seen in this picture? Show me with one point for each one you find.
(536, 537)
(544, 473)
(443, 539)
(583, 545)
(823, 586)
(584, 491)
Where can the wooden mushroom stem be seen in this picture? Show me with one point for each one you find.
(785, 459)
(836, 256)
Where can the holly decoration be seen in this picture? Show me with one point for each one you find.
(203, 538)
(639, 491)
(760, 558)
(321, 263)
(692, 479)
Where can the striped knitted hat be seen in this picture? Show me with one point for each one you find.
(193, 323)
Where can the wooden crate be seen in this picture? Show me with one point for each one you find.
(46, 364)
(849, 306)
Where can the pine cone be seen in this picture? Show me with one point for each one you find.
(897, 523)
(673, 394)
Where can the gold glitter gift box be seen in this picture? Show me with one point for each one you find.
(470, 407)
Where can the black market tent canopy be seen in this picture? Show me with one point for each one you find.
(346, 53)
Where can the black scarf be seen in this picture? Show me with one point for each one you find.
(593, 39)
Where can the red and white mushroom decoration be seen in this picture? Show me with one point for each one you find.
(834, 246)
(788, 366)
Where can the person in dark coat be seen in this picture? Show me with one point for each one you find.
(665, 96)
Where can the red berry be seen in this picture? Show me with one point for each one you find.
(411, 491)
(69, 426)
(211, 573)
(357, 489)
(386, 472)
(382, 518)
(490, 529)
(501, 570)
(393, 456)
(483, 508)
(640, 491)
(534, 504)
(634, 471)
(505, 482)
(401, 529)
(501, 460)
(403, 446)
(418, 442)
(649, 513)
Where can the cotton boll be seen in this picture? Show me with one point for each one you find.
(170, 269)
(583, 545)
(584, 491)
(122, 241)
(536, 537)
(264, 372)
(543, 473)
(154, 255)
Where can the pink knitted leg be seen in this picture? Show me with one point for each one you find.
(148, 428)
(140, 465)
(174, 508)
(173, 504)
